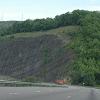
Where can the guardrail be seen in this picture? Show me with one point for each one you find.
(19, 83)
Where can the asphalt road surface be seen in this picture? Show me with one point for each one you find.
(49, 93)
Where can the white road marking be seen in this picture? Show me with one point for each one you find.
(13, 93)
(69, 97)
(36, 91)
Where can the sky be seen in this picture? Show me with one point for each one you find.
(33, 9)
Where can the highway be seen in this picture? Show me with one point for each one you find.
(49, 93)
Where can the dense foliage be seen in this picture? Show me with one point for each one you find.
(87, 47)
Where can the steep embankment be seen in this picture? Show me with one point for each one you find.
(43, 57)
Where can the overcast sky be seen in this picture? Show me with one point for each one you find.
(32, 9)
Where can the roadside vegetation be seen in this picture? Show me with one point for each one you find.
(86, 44)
